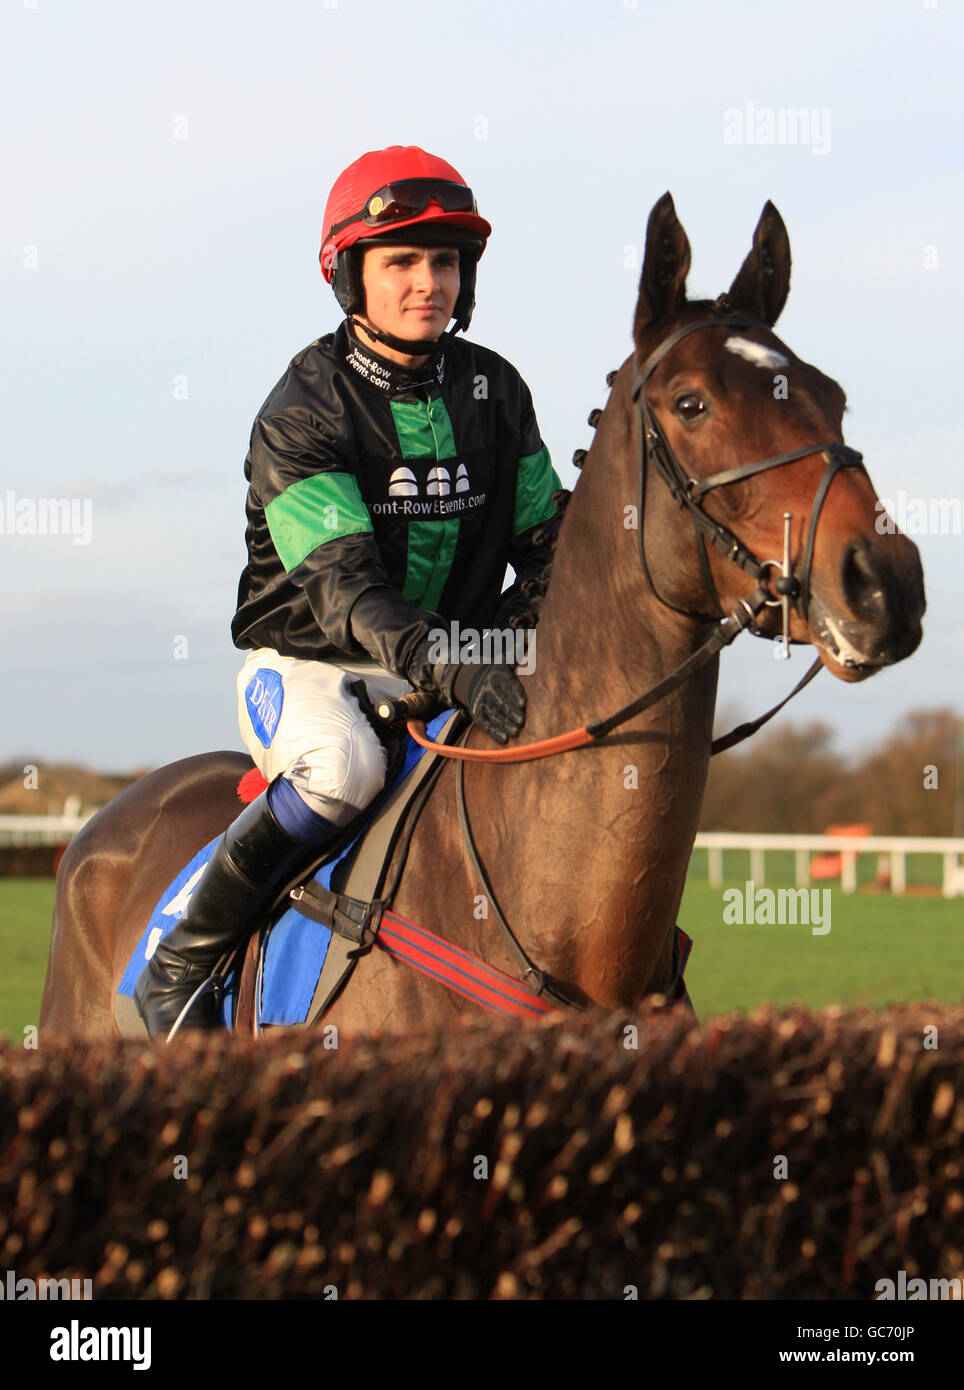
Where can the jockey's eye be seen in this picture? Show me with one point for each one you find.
(690, 407)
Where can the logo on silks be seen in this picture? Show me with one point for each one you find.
(265, 699)
(403, 482)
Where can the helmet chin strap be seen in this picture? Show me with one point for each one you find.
(413, 346)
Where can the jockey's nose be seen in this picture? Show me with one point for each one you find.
(427, 274)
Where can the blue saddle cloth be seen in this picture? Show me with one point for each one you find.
(295, 946)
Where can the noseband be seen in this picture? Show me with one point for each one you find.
(791, 586)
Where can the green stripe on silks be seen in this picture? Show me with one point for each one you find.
(312, 511)
(425, 431)
(537, 481)
(431, 551)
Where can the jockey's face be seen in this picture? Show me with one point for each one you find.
(410, 291)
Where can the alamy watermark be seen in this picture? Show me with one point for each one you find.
(919, 516)
(47, 516)
(496, 646)
(754, 906)
(76, 1343)
(28, 1290)
(785, 125)
(904, 1289)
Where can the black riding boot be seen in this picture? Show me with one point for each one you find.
(252, 864)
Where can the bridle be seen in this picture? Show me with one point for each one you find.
(687, 492)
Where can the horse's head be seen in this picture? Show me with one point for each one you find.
(719, 393)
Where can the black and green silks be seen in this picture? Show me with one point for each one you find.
(382, 499)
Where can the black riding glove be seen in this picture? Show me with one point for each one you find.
(493, 695)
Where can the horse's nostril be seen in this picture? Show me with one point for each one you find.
(862, 581)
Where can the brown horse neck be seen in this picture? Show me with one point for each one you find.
(602, 834)
(603, 637)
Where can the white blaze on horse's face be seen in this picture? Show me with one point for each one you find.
(757, 353)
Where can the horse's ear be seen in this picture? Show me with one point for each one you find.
(662, 285)
(763, 283)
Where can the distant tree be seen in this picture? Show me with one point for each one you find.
(774, 783)
(892, 783)
(789, 779)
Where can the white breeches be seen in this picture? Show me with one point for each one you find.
(298, 719)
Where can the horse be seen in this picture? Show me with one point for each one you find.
(586, 852)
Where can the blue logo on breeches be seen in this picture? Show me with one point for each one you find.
(265, 699)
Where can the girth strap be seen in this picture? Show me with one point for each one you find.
(350, 917)
(371, 924)
(459, 970)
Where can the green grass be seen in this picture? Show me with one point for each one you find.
(26, 908)
(880, 950)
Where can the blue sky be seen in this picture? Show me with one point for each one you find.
(165, 168)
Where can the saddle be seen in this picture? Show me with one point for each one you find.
(290, 972)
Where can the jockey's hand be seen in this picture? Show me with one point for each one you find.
(493, 695)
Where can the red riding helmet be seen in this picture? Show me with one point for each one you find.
(386, 191)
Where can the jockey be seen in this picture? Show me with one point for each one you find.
(394, 471)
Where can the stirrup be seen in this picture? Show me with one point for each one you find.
(210, 983)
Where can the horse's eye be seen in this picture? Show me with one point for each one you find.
(689, 407)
